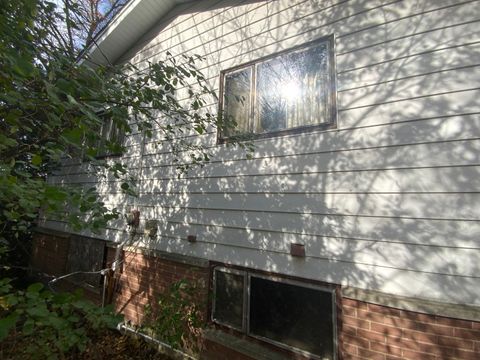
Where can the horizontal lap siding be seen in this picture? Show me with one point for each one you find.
(388, 200)
(428, 130)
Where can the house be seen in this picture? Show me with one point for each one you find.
(354, 232)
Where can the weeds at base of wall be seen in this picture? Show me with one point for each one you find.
(176, 319)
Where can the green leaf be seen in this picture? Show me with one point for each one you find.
(73, 136)
(28, 327)
(12, 116)
(39, 312)
(6, 324)
(12, 299)
(5, 286)
(71, 99)
(7, 142)
(35, 287)
(23, 67)
(36, 160)
(55, 194)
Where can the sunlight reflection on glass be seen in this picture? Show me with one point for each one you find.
(290, 91)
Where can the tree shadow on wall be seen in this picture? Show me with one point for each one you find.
(385, 201)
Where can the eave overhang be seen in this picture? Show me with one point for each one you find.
(131, 22)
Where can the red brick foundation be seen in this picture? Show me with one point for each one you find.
(365, 330)
(143, 277)
(377, 332)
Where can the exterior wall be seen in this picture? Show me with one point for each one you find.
(387, 201)
(49, 259)
(377, 332)
(374, 332)
(364, 330)
(50, 253)
(145, 276)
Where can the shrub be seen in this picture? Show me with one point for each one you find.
(176, 318)
(38, 324)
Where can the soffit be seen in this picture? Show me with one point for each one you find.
(135, 18)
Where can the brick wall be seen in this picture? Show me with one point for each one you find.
(143, 277)
(377, 332)
(49, 257)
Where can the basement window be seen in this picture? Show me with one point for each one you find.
(288, 92)
(229, 294)
(289, 314)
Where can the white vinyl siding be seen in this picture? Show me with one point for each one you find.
(388, 200)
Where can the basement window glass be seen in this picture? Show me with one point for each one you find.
(288, 92)
(289, 314)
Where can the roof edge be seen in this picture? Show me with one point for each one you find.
(106, 48)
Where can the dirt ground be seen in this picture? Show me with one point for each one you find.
(109, 344)
(115, 346)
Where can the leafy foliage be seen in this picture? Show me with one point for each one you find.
(176, 319)
(48, 325)
(54, 110)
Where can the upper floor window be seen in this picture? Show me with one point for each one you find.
(111, 137)
(284, 93)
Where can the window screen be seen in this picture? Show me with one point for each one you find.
(237, 100)
(286, 313)
(293, 90)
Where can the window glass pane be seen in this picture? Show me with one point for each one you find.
(111, 137)
(293, 315)
(229, 298)
(237, 99)
(293, 90)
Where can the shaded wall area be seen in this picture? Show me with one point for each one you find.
(145, 275)
(372, 331)
(55, 254)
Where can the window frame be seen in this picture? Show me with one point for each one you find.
(103, 152)
(330, 123)
(242, 273)
(248, 273)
